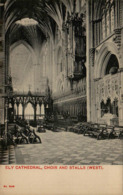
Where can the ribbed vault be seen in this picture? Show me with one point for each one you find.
(50, 16)
(47, 13)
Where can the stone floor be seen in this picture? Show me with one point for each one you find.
(69, 148)
(65, 148)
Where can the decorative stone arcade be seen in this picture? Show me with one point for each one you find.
(28, 106)
(104, 61)
(108, 99)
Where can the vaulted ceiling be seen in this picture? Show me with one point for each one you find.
(48, 14)
(43, 11)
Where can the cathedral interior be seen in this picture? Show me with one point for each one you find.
(61, 62)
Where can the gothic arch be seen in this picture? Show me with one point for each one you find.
(14, 45)
(29, 110)
(98, 6)
(29, 102)
(103, 57)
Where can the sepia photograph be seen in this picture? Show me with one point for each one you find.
(61, 84)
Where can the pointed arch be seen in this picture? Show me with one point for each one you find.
(103, 57)
(14, 45)
(29, 111)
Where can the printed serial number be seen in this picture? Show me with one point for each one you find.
(9, 186)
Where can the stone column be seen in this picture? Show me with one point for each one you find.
(120, 103)
(119, 41)
(22, 111)
(6, 121)
(88, 42)
(17, 110)
(35, 113)
(40, 108)
(2, 66)
(90, 53)
(118, 12)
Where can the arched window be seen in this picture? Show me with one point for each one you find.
(112, 66)
(20, 110)
(42, 109)
(29, 111)
(104, 19)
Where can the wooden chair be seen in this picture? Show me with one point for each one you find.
(118, 131)
(101, 131)
(97, 130)
(76, 128)
(88, 128)
(109, 132)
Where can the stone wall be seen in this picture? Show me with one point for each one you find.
(1, 67)
(104, 41)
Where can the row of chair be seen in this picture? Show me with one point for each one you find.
(26, 135)
(97, 130)
(19, 135)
